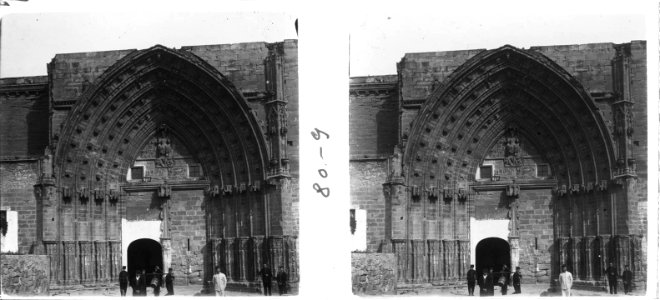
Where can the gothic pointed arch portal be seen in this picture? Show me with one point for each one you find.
(509, 135)
(162, 136)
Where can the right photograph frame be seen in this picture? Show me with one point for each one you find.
(492, 157)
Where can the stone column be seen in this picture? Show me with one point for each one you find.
(638, 263)
(166, 246)
(399, 247)
(449, 259)
(292, 267)
(588, 247)
(242, 258)
(606, 254)
(562, 244)
(102, 261)
(622, 252)
(86, 262)
(228, 261)
(419, 262)
(71, 263)
(464, 258)
(54, 251)
(115, 259)
(514, 242)
(276, 250)
(434, 260)
(575, 254)
(258, 254)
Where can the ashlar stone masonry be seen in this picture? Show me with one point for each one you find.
(196, 147)
(525, 157)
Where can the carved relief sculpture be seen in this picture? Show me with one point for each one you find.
(512, 153)
(164, 148)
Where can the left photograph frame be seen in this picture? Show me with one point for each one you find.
(124, 142)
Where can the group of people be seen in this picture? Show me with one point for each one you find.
(140, 281)
(488, 279)
(220, 280)
(566, 280)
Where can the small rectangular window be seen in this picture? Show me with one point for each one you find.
(3, 222)
(486, 172)
(137, 173)
(542, 170)
(194, 171)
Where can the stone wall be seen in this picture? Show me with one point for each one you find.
(17, 194)
(188, 232)
(367, 178)
(24, 117)
(373, 273)
(25, 275)
(373, 117)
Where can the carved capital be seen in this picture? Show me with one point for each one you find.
(513, 190)
(164, 191)
(83, 194)
(561, 190)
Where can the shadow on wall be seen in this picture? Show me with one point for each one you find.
(37, 127)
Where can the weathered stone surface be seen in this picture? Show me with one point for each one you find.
(577, 112)
(373, 273)
(25, 275)
(166, 110)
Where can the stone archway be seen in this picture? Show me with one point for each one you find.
(538, 136)
(492, 253)
(144, 254)
(222, 186)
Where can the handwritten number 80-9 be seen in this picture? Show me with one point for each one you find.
(317, 134)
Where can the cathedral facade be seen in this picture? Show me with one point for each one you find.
(184, 158)
(531, 158)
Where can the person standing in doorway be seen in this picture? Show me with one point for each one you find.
(282, 279)
(169, 282)
(565, 281)
(505, 279)
(517, 277)
(490, 282)
(266, 278)
(219, 282)
(481, 281)
(134, 283)
(471, 280)
(627, 280)
(157, 280)
(123, 281)
(612, 278)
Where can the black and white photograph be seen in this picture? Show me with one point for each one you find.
(329, 149)
(501, 152)
(149, 154)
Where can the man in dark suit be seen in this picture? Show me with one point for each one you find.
(169, 283)
(139, 283)
(282, 278)
(157, 280)
(504, 283)
(490, 283)
(485, 282)
(517, 278)
(471, 280)
(123, 281)
(266, 278)
(612, 275)
(627, 280)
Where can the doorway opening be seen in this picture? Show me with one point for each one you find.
(144, 254)
(493, 253)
